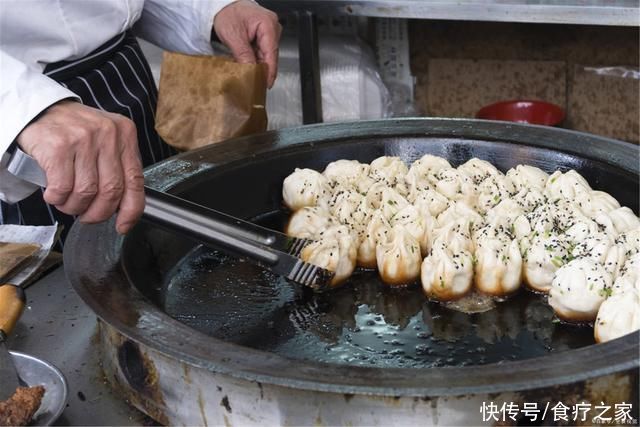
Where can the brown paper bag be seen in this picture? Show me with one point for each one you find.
(206, 99)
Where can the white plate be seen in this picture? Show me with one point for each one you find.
(34, 371)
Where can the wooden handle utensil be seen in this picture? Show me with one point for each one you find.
(12, 301)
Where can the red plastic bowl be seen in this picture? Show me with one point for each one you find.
(523, 111)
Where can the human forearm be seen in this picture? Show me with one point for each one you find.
(180, 25)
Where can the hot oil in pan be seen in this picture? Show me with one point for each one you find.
(364, 323)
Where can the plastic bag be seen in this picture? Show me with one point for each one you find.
(351, 86)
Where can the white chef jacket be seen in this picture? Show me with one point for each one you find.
(34, 33)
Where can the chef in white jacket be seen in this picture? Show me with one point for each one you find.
(76, 93)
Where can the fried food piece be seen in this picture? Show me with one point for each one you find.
(20, 408)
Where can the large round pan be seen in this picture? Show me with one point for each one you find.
(119, 278)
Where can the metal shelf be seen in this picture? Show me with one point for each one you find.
(584, 12)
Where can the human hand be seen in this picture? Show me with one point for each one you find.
(252, 33)
(91, 160)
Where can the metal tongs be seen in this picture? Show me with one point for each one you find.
(269, 249)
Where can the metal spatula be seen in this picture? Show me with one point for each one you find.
(270, 249)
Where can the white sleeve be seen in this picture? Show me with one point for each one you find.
(180, 25)
(12, 189)
(24, 93)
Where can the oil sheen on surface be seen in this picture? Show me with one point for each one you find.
(363, 323)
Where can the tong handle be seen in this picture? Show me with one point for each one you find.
(12, 301)
(226, 223)
(206, 225)
(216, 228)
